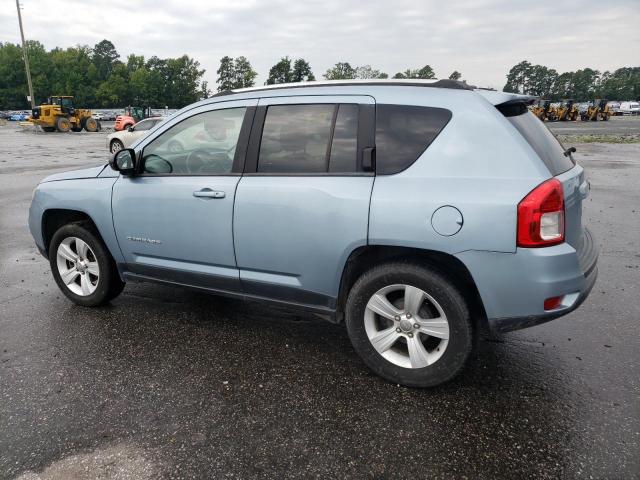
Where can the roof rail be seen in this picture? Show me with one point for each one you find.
(444, 83)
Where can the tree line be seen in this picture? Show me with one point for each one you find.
(581, 85)
(97, 77)
(238, 73)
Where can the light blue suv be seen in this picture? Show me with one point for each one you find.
(416, 212)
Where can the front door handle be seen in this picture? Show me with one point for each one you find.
(208, 193)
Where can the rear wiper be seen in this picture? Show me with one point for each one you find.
(569, 151)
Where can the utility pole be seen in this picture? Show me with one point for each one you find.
(26, 57)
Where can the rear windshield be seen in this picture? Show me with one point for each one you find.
(545, 144)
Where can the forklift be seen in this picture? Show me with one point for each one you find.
(58, 113)
(132, 115)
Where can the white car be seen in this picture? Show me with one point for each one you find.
(630, 108)
(125, 138)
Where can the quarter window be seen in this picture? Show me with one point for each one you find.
(403, 133)
(317, 138)
(203, 144)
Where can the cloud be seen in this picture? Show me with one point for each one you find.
(480, 38)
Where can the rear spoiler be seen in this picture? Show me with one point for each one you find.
(509, 104)
(513, 108)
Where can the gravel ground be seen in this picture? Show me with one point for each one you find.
(622, 125)
(168, 383)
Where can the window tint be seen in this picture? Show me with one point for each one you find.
(203, 144)
(403, 133)
(543, 142)
(344, 147)
(295, 139)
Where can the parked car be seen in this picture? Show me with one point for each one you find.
(630, 108)
(98, 115)
(416, 212)
(19, 116)
(125, 138)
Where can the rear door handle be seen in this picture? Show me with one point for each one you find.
(208, 193)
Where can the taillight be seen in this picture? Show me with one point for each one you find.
(541, 216)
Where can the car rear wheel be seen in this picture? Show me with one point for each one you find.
(82, 266)
(409, 324)
(116, 146)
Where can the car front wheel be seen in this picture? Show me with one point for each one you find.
(409, 324)
(116, 146)
(82, 266)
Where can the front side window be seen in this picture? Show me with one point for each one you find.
(203, 144)
(316, 138)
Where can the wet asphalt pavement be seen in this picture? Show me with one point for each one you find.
(167, 383)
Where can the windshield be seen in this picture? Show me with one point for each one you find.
(545, 144)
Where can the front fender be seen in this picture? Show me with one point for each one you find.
(91, 196)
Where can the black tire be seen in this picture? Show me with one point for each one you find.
(115, 146)
(76, 129)
(90, 124)
(63, 124)
(109, 284)
(439, 287)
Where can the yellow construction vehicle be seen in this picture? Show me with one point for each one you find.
(542, 109)
(599, 110)
(567, 110)
(58, 113)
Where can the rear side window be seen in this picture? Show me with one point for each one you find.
(317, 138)
(403, 133)
(545, 144)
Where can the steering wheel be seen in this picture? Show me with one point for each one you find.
(204, 159)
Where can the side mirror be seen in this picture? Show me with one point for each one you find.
(124, 161)
(130, 129)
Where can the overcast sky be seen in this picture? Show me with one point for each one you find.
(480, 38)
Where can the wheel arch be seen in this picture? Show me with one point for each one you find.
(55, 218)
(364, 257)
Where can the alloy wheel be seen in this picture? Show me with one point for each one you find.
(406, 326)
(78, 266)
(116, 146)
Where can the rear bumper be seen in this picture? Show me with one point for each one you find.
(513, 287)
(509, 324)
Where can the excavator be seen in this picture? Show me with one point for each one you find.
(567, 111)
(598, 111)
